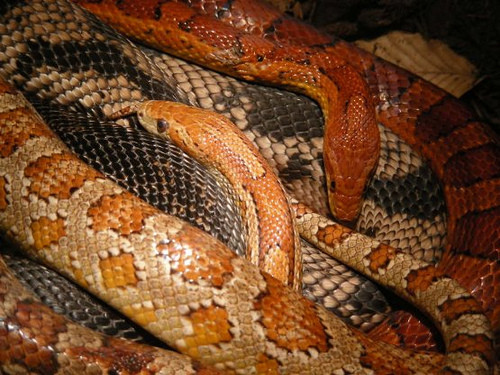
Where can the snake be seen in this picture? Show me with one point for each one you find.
(217, 143)
(106, 155)
(411, 110)
(351, 132)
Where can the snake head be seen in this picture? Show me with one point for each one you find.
(351, 152)
(177, 122)
(150, 118)
(346, 188)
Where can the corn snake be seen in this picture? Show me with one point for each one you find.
(273, 240)
(410, 107)
(156, 238)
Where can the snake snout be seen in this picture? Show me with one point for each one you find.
(345, 197)
(345, 208)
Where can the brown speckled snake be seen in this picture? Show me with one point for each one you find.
(204, 301)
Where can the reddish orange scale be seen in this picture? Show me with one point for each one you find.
(280, 315)
(53, 176)
(407, 331)
(373, 357)
(119, 213)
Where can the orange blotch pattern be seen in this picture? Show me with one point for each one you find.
(380, 257)
(14, 137)
(46, 231)
(266, 365)
(120, 213)
(377, 356)
(486, 289)
(118, 271)
(474, 345)
(209, 266)
(210, 326)
(405, 330)
(120, 357)
(333, 234)
(57, 175)
(452, 309)
(421, 279)
(290, 322)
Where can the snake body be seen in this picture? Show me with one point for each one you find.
(409, 106)
(141, 261)
(41, 341)
(483, 350)
(216, 142)
(187, 30)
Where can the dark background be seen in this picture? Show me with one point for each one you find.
(470, 28)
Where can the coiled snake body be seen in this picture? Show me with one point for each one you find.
(207, 282)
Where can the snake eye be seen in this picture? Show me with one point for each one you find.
(332, 186)
(162, 125)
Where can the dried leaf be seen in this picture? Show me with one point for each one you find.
(429, 59)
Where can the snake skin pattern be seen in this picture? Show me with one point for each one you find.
(41, 341)
(213, 140)
(141, 262)
(84, 139)
(410, 107)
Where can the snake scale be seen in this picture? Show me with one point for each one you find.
(91, 141)
(366, 357)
